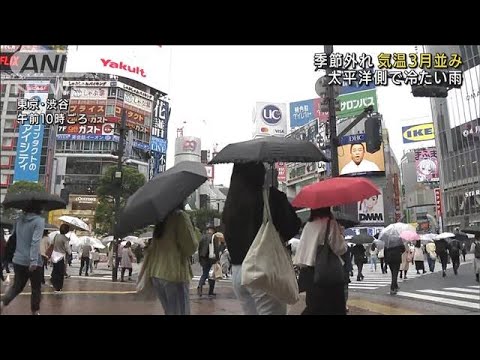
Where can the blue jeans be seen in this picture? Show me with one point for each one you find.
(174, 296)
(211, 283)
(254, 301)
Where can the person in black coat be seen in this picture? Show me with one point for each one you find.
(441, 247)
(205, 261)
(242, 218)
(393, 257)
(454, 248)
(358, 252)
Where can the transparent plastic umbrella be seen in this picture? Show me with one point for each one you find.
(391, 234)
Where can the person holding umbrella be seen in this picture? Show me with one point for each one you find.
(61, 248)
(441, 247)
(242, 217)
(27, 260)
(454, 252)
(167, 261)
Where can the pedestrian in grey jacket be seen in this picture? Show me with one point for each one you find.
(27, 260)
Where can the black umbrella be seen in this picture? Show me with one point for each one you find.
(345, 220)
(24, 200)
(362, 239)
(157, 198)
(472, 230)
(270, 149)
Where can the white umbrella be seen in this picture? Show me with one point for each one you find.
(76, 222)
(445, 235)
(88, 240)
(107, 239)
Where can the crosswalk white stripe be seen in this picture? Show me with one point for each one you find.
(466, 304)
(363, 283)
(362, 288)
(475, 286)
(470, 291)
(452, 294)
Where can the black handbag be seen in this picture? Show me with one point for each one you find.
(305, 278)
(328, 267)
(11, 246)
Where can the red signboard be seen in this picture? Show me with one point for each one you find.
(438, 203)
(282, 171)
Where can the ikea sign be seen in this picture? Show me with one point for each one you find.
(415, 133)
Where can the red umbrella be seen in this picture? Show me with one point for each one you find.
(335, 191)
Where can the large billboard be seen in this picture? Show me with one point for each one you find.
(426, 163)
(148, 64)
(464, 103)
(270, 119)
(371, 210)
(353, 159)
(354, 103)
(416, 133)
(30, 137)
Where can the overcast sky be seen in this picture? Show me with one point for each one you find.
(213, 91)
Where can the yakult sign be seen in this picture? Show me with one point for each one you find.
(146, 64)
(270, 119)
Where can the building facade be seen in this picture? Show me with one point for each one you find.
(457, 125)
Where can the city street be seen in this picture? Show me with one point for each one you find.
(427, 294)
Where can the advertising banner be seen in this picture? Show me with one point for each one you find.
(270, 119)
(415, 133)
(426, 163)
(352, 104)
(156, 164)
(161, 114)
(137, 101)
(88, 93)
(85, 137)
(76, 129)
(301, 113)
(30, 137)
(158, 144)
(282, 171)
(353, 159)
(148, 64)
(371, 210)
(438, 203)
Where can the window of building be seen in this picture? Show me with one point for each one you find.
(8, 143)
(10, 125)
(3, 89)
(5, 162)
(5, 180)
(12, 107)
(110, 111)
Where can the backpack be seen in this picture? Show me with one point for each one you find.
(477, 250)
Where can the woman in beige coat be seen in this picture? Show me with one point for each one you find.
(407, 257)
(127, 259)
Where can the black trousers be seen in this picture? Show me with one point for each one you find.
(22, 275)
(360, 268)
(456, 262)
(84, 261)
(394, 269)
(129, 272)
(443, 259)
(383, 265)
(58, 275)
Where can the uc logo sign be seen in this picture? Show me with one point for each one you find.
(416, 133)
(271, 114)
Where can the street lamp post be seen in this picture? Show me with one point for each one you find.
(118, 176)
(332, 118)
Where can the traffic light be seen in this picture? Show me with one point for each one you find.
(429, 91)
(373, 134)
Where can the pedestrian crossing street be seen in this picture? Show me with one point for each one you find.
(375, 280)
(467, 297)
